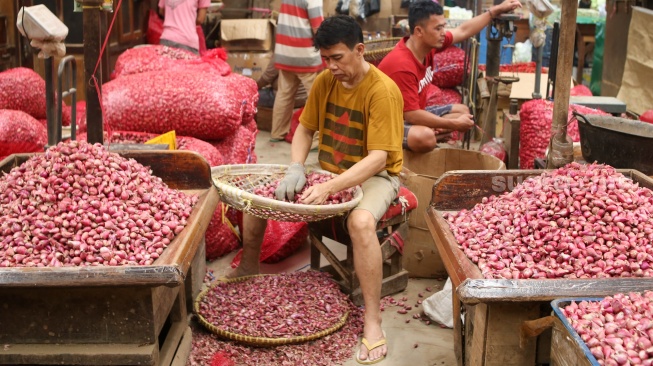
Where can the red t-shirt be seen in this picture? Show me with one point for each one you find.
(410, 75)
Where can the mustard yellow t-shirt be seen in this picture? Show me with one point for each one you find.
(352, 122)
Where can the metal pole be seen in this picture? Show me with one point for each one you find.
(92, 43)
(538, 72)
(50, 107)
(493, 59)
(563, 73)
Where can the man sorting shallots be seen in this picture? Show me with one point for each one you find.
(358, 113)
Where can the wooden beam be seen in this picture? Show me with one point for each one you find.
(563, 70)
(93, 38)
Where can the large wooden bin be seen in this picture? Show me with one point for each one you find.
(124, 315)
(494, 310)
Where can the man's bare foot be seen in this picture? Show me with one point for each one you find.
(240, 272)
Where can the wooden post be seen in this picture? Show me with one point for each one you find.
(563, 70)
(93, 38)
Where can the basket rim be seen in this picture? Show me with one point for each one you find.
(252, 340)
(333, 209)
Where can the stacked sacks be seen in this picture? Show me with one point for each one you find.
(535, 132)
(20, 133)
(22, 89)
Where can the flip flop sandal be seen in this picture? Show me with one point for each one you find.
(369, 349)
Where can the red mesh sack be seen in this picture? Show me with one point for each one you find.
(154, 28)
(22, 89)
(535, 132)
(251, 125)
(294, 122)
(21, 133)
(238, 148)
(281, 239)
(449, 68)
(526, 67)
(220, 236)
(450, 96)
(433, 95)
(196, 104)
(580, 91)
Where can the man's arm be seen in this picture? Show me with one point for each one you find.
(476, 24)
(421, 117)
(201, 16)
(268, 76)
(162, 11)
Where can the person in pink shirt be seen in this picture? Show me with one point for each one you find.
(181, 18)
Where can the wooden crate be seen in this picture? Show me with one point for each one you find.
(494, 309)
(567, 348)
(124, 315)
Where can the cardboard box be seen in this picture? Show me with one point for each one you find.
(251, 64)
(247, 34)
(421, 257)
(423, 169)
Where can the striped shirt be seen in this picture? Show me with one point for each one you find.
(294, 49)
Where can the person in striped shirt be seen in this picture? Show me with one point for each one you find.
(295, 57)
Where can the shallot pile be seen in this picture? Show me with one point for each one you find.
(312, 179)
(280, 306)
(580, 221)
(333, 349)
(80, 205)
(618, 330)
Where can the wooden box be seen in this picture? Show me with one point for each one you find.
(124, 315)
(567, 348)
(495, 309)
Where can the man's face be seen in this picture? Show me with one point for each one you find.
(341, 61)
(432, 30)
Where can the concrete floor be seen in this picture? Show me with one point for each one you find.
(413, 343)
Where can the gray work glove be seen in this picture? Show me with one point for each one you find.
(292, 183)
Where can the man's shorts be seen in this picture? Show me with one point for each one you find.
(378, 193)
(439, 111)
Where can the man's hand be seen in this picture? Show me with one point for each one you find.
(505, 7)
(292, 183)
(315, 195)
(463, 122)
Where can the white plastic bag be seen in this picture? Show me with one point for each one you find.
(439, 306)
(523, 51)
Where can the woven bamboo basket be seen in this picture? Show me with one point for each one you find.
(236, 185)
(259, 341)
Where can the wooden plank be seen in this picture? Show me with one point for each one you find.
(76, 315)
(195, 276)
(164, 300)
(503, 330)
(459, 330)
(342, 271)
(564, 350)
(476, 345)
(184, 349)
(79, 354)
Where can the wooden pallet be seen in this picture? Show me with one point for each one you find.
(124, 315)
(494, 310)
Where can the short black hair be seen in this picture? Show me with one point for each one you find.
(336, 29)
(421, 10)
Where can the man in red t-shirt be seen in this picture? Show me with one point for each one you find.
(410, 64)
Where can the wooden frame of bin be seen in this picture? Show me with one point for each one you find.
(123, 315)
(494, 310)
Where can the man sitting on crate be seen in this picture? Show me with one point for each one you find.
(358, 112)
(411, 65)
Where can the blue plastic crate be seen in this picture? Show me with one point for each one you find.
(561, 303)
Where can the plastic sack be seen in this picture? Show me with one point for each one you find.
(647, 116)
(495, 148)
(522, 52)
(281, 239)
(154, 28)
(439, 306)
(294, 122)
